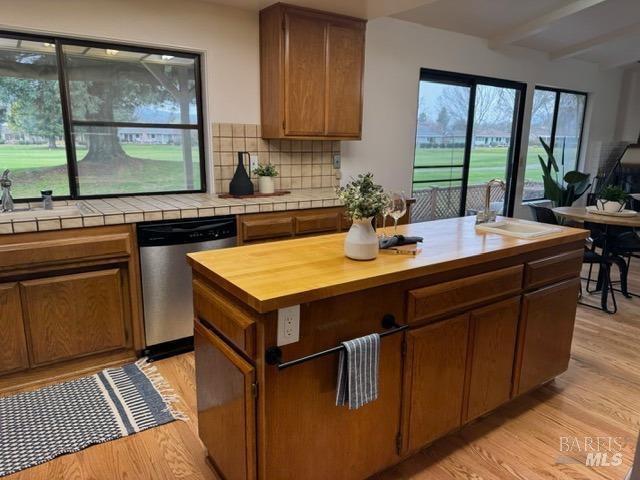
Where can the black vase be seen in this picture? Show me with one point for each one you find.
(240, 183)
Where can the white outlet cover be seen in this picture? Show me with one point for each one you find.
(255, 161)
(288, 325)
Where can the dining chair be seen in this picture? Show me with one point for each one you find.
(590, 257)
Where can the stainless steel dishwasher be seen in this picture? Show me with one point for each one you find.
(166, 278)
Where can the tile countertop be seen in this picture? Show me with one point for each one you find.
(113, 211)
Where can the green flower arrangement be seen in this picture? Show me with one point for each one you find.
(613, 193)
(362, 198)
(266, 170)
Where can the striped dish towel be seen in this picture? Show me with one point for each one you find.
(358, 371)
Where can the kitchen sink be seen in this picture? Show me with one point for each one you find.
(517, 228)
(39, 212)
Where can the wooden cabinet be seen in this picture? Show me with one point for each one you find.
(434, 377)
(492, 348)
(545, 334)
(70, 316)
(279, 225)
(226, 405)
(311, 70)
(13, 345)
(70, 298)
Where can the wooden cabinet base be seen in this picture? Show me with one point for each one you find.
(467, 349)
(67, 295)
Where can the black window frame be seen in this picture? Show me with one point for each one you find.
(472, 81)
(554, 124)
(68, 122)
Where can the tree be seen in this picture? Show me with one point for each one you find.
(34, 107)
(443, 120)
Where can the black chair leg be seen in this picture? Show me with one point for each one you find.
(607, 288)
(624, 275)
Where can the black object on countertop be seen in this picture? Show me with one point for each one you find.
(240, 183)
(398, 240)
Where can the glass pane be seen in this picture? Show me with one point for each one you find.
(568, 130)
(31, 131)
(136, 160)
(541, 125)
(440, 141)
(491, 150)
(118, 85)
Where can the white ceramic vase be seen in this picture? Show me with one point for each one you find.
(266, 185)
(361, 242)
(609, 206)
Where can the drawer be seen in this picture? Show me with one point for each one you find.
(552, 269)
(458, 295)
(230, 320)
(268, 227)
(318, 222)
(33, 254)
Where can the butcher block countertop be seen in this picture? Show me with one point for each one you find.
(273, 275)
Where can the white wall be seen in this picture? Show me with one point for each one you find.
(227, 38)
(395, 52)
(628, 127)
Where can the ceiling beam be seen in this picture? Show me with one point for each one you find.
(386, 8)
(623, 61)
(581, 47)
(538, 24)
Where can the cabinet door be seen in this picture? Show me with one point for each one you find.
(74, 315)
(13, 346)
(546, 330)
(492, 352)
(434, 376)
(226, 406)
(345, 61)
(304, 74)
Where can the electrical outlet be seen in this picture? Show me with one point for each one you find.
(336, 160)
(288, 325)
(255, 161)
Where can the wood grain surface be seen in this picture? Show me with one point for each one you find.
(597, 395)
(273, 275)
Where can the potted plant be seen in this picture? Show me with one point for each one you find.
(561, 188)
(265, 175)
(612, 199)
(363, 200)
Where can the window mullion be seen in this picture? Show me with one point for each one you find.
(72, 164)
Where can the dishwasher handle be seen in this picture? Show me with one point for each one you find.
(186, 231)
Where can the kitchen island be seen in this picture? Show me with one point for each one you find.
(474, 320)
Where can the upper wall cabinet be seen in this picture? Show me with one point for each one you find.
(311, 69)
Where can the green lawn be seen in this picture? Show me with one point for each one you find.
(486, 163)
(35, 168)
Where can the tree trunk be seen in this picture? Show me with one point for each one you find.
(52, 142)
(104, 145)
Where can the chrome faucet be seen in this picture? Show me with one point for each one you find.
(6, 202)
(487, 215)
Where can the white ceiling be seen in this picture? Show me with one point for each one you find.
(606, 32)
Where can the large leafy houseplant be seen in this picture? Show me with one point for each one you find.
(561, 188)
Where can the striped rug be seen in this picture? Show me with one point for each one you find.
(38, 426)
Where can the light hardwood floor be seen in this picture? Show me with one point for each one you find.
(599, 396)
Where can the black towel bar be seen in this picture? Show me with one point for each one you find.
(274, 354)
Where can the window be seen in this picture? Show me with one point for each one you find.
(90, 119)
(557, 117)
(468, 131)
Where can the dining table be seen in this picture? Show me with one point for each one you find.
(606, 221)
